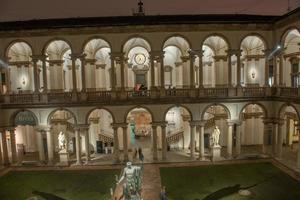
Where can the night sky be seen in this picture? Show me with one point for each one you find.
(15, 10)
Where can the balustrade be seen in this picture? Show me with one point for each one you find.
(58, 96)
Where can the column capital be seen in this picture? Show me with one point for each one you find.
(39, 57)
(198, 123)
(231, 122)
(118, 125)
(162, 124)
(236, 52)
(117, 55)
(82, 127)
(10, 128)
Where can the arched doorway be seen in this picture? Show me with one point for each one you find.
(62, 121)
(137, 66)
(139, 133)
(97, 65)
(290, 58)
(253, 61)
(176, 63)
(218, 115)
(290, 129)
(20, 69)
(101, 136)
(215, 62)
(178, 133)
(59, 67)
(251, 132)
(24, 139)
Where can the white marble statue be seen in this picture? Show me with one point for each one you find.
(216, 136)
(61, 141)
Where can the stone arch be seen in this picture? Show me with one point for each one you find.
(138, 106)
(176, 35)
(17, 41)
(12, 121)
(286, 32)
(61, 109)
(216, 104)
(56, 39)
(95, 37)
(99, 108)
(265, 111)
(262, 38)
(216, 35)
(284, 106)
(179, 105)
(125, 42)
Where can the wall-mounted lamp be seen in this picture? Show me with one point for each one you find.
(253, 75)
(23, 81)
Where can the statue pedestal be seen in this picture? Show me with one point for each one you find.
(63, 158)
(216, 153)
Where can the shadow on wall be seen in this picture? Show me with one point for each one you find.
(47, 196)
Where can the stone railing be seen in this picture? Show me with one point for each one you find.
(166, 95)
(174, 137)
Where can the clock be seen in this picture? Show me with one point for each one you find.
(140, 59)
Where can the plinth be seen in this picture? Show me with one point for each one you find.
(216, 153)
(63, 158)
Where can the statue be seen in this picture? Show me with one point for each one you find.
(61, 141)
(133, 182)
(216, 136)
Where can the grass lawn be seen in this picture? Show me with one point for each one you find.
(196, 183)
(58, 185)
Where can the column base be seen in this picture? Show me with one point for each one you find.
(78, 163)
(50, 163)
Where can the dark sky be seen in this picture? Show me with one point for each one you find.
(12, 10)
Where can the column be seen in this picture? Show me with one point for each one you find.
(45, 82)
(201, 141)
(266, 68)
(154, 142)
(74, 58)
(152, 59)
(39, 139)
(82, 59)
(78, 146)
(265, 137)
(279, 139)
(200, 55)
(36, 77)
(192, 140)
(192, 71)
(50, 146)
(274, 138)
(229, 139)
(162, 71)
(86, 143)
(122, 71)
(4, 147)
(238, 139)
(116, 144)
(125, 142)
(112, 72)
(238, 68)
(164, 141)
(281, 70)
(13, 145)
(229, 79)
(275, 71)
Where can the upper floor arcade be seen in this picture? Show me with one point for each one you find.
(171, 61)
